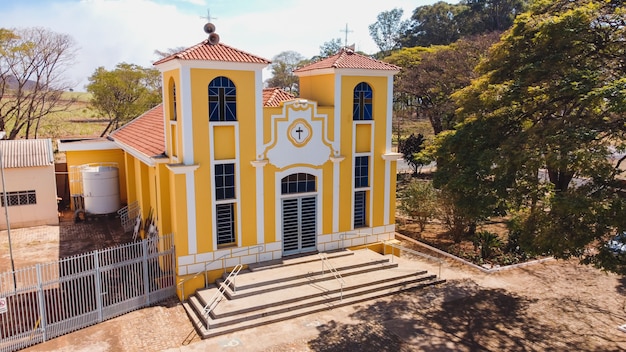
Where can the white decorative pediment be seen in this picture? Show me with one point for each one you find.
(299, 136)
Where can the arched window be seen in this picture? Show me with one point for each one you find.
(222, 100)
(362, 109)
(173, 114)
(298, 183)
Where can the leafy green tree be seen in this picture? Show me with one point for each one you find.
(32, 66)
(282, 68)
(419, 202)
(124, 93)
(330, 48)
(550, 102)
(442, 23)
(410, 149)
(434, 24)
(387, 29)
(484, 16)
(431, 75)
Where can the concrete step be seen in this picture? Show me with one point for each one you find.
(256, 285)
(296, 260)
(216, 327)
(286, 300)
(297, 287)
(302, 267)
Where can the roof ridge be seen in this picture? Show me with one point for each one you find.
(349, 59)
(214, 52)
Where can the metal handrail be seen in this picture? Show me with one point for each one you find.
(205, 271)
(217, 296)
(331, 268)
(346, 234)
(419, 254)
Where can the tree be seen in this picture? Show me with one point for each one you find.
(330, 48)
(388, 28)
(32, 64)
(551, 97)
(484, 16)
(419, 202)
(124, 93)
(434, 24)
(282, 68)
(431, 75)
(443, 23)
(170, 51)
(410, 148)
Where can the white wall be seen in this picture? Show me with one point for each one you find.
(42, 180)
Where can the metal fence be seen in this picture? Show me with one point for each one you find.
(48, 300)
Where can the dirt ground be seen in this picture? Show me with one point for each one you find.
(42, 244)
(548, 306)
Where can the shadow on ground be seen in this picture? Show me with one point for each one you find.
(459, 315)
(95, 232)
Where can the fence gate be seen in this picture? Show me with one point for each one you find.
(48, 300)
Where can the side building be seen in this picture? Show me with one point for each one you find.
(29, 182)
(241, 174)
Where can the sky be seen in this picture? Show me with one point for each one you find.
(108, 32)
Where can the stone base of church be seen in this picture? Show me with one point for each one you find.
(230, 257)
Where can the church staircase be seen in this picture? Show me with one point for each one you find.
(274, 291)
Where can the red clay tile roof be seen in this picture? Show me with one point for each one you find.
(145, 133)
(272, 97)
(349, 59)
(217, 52)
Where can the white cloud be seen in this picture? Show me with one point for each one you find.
(112, 31)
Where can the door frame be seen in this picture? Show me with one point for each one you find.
(279, 200)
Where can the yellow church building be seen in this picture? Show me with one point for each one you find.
(239, 173)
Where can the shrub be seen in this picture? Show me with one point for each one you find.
(419, 202)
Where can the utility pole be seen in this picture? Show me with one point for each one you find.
(6, 213)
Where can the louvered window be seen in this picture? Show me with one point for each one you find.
(225, 223)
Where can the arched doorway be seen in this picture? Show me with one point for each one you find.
(299, 213)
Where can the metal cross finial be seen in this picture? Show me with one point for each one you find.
(208, 16)
(346, 31)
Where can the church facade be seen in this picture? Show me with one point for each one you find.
(241, 174)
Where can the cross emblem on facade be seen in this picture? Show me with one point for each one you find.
(299, 132)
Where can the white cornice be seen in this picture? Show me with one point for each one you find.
(214, 65)
(86, 145)
(348, 72)
(180, 169)
(392, 156)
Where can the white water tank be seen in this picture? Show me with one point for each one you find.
(101, 189)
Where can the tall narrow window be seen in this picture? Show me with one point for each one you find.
(361, 181)
(361, 171)
(359, 208)
(362, 109)
(222, 100)
(174, 113)
(225, 208)
(224, 181)
(225, 214)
